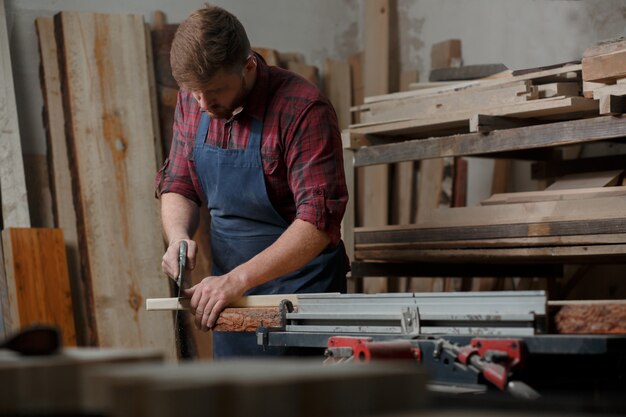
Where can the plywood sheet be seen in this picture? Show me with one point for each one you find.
(112, 158)
(37, 275)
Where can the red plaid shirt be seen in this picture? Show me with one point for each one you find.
(301, 148)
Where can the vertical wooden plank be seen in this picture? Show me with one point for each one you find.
(37, 267)
(7, 294)
(112, 157)
(12, 181)
(337, 89)
(59, 168)
(376, 77)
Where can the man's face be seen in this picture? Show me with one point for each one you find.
(224, 94)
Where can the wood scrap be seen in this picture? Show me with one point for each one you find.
(117, 214)
(446, 54)
(252, 301)
(15, 211)
(467, 72)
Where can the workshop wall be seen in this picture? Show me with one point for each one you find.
(520, 34)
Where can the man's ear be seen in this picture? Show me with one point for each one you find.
(250, 64)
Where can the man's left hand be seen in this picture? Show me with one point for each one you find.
(211, 296)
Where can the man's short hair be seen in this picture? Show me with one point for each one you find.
(209, 40)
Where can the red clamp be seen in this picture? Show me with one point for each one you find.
(364, 349)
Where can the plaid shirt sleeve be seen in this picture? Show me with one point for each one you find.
(178, 173)
(315, 170)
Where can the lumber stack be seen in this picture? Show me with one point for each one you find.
(525, 114)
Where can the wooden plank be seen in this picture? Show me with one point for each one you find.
(238, 388)
(553, 134)
(605, 67)
(376, 80)
(12, 181)
(569, 73)
(557, 254)
(553, 195)
(55, 384)
(468, 100)
(569, 107)
(105, 77)
(446, 54)
(251, 301)
(542, 211)
(589, 317)
(503, 242)
(356, 76)
(427, 233)
(587, 180)
(37, 273)
(337, 88)
(59, 169)
(484, 123)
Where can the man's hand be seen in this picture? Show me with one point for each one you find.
(169, 262)
(211, 296)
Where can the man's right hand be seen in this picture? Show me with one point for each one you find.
(169, 263)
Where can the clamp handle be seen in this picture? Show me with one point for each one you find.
(182, 262)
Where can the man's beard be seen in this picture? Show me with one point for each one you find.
(222, 112)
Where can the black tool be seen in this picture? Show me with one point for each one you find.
(36, 340)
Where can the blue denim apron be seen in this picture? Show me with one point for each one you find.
(244, 223)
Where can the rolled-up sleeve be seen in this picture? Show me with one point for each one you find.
(178, 174)
(316, 176)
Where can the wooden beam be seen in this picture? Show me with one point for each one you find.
(553, 134)
(111, 140)
(600, 65)
(12, 180)
(337, 87)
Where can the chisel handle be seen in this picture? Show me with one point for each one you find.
(182, 262)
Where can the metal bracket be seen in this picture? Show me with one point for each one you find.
(410, 321)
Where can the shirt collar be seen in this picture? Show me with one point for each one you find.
(257, 98)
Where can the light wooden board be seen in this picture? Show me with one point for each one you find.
(565, 210)
(113, 160)
(468, 100)
(374, 181)
(59, 167)
(586, 180)
(156, 304)
(12, 181)
(552, 195)
(446, 54)
(36, 267)
(605, 67)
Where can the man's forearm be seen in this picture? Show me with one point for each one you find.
(296, 247)
(179, 216)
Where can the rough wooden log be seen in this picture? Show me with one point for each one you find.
(247, 319)
(608, 317)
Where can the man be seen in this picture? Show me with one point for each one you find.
(261, 148)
